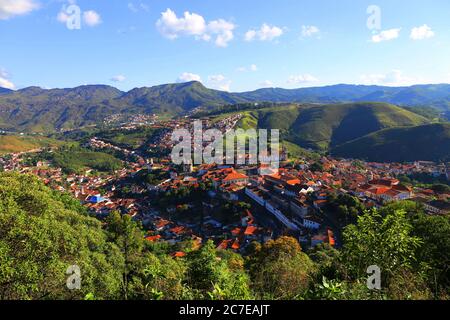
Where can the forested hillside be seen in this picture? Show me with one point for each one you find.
(428, 142)
(43, 110)
(44, 232)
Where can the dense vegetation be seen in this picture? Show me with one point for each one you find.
(428, 142)
(130, 139)
(74, 159)
(43, 232)
(321, 127)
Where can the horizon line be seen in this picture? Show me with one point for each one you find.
(236, 92)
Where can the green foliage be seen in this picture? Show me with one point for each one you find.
(316, 167)
(385, 241)
(328, 262)
(217, 277)
(427, 142)
(321, 127)
(280, 270)
(75, 160)
(346, 207)
(441, 188)
(131, 139)
(156, 177)
(435, 251)
(43, 232)
(427, 112)
(41, 236)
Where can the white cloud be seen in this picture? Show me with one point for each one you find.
(118, 78)
(266, 84)
(302, 79)
(132, 7)
(392, 78)
(386, 35)
(252, 68)
(216, 78)
(193, 24)
(11, 8)
(188, 77)
(309, 31)
(265, 33)
(250, 35)
(219, 82)
(4, 80)
(224, 31)
(137, 7)
(422, 32)
(5, 83)
(91, 18)
(62, 17)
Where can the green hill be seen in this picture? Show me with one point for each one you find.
(177, 98)
(40, 110)
(76, 160)
(10, 143)
(321, 127)
(428, 142)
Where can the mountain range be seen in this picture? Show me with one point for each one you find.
(368, 122)
(45, 110)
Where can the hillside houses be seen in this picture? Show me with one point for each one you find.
(385, 190)
(221, 178)
(294, 196)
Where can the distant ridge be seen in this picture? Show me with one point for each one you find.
(5, 90)
(37, 109)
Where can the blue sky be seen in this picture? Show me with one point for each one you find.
(235, 45)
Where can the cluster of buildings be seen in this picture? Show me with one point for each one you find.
(291, 200)
(129, 122)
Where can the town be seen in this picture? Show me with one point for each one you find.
(234, 205)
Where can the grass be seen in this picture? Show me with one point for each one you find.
(13, 143)
(428, 142)
(296, 152)
(321, 127)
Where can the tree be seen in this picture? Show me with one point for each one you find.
(435, 251)
(41, 236)
(280, 270)
(386, 242)
(124, 232)
(316, 167)
(163, 277)
(328, 261)
(214, 276)
(347, 207)
(441, 188)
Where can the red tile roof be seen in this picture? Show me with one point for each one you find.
(153, 238)
(250, 230)
(178, 254)
(235, 176)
